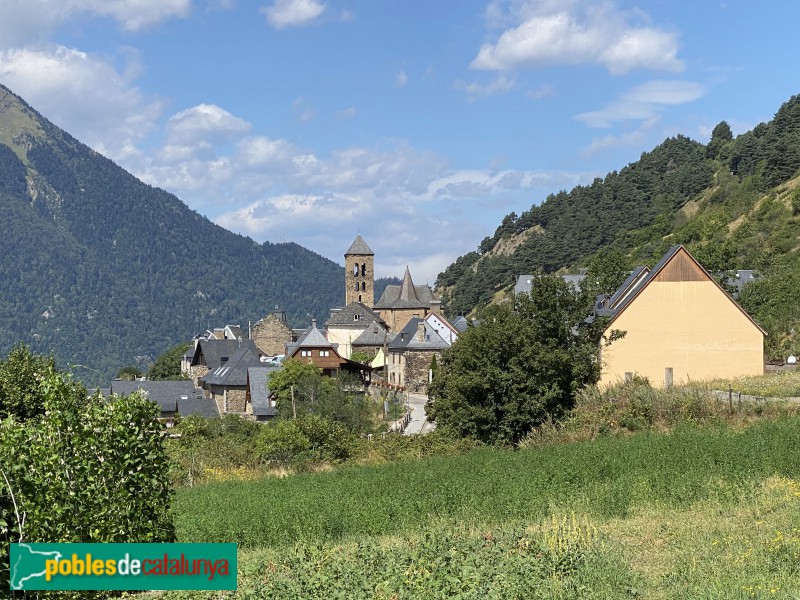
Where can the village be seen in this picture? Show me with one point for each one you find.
(675, 323)
(387, 345)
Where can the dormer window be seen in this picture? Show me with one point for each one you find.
(356, 317)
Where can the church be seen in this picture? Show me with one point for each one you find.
(399, 303)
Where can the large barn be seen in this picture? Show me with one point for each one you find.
(679, 325)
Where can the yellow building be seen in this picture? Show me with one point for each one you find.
(679, 325)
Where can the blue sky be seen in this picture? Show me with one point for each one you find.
(418, 124)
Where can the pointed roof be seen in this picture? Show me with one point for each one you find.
(311, 338)
(686, 268)
(359, 247)
(407, 291)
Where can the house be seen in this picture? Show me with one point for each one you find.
(227, 383)
(443, 327)
(210, 354)
(271, 333)
(347, 324)
(260, 400)
(173, 397)
(679, 325)
(313, 348)
(411, 353)
(373, 340)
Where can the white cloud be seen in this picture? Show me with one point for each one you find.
(557, 33)
(499, 85)
(401, 78)
(347, 113)
(23, 22)
(632, 138)
(643, 102)
(292, 13)
(205, 123)
(85, 95)
(543, 91)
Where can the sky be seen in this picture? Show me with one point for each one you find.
(417, 124)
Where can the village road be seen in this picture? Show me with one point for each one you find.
(419, 420)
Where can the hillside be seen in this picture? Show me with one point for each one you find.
(103, 270)
(734, 203)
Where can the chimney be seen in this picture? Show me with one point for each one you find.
(313, 323)
(421, 331)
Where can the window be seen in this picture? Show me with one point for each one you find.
(356, 286)
(359, 297)
(355, 270)
(305, 353)
(363, 286)
(356, 317)
(325, 353)
(363, 269)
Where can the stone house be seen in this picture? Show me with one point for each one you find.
(227, 383)
(271, 334)
(210, 354)
(411, 352)
(679, 325)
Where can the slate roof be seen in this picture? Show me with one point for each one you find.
(374, 335)
(258, 382)
(406, 295)
(359, 246)
(233, 372)
(213, 351)
(461, 324)
(197, 405)
(312, 338)
(346, 316)
(164, 393)
(406, 339)
(524, 282)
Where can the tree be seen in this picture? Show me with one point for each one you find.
(301, 389)
(129, 373)
(168, 364)
(84, 470)
(605, 272)
(519, 367)
(21, 377)
(720, 135)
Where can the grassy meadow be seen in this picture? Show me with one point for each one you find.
(699, 512)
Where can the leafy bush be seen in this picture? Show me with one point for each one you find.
(88, 470)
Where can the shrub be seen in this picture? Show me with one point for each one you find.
(91, 471)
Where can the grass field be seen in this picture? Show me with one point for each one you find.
(708, 512)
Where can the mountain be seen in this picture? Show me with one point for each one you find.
(734, 203)
(103, 270)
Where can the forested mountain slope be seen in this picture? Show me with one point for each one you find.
(735, 204)
(103, 270)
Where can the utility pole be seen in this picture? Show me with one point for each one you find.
(294, 409)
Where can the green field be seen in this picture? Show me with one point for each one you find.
(708, 512)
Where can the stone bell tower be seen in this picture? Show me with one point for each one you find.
(359, 273)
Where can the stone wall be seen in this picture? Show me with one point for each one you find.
(416, 365)
(196, 372)
(270, 335)
(236, 401)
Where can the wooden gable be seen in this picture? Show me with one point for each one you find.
(682, 267)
